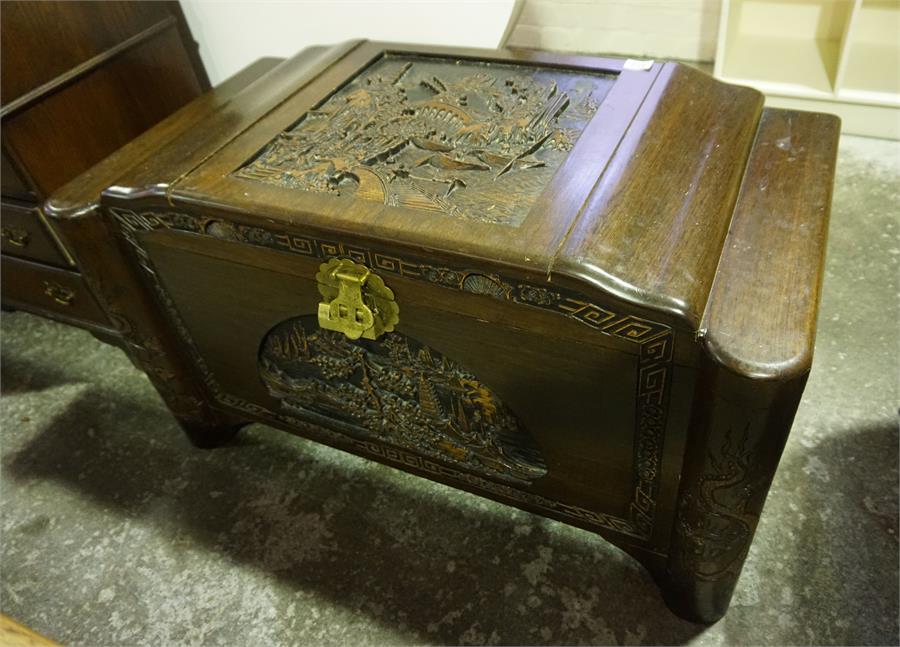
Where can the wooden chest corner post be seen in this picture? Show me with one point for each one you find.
(77, 213)
(738, 431)
(146, 338)
(757, 338)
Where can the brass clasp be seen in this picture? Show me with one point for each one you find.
(356, 301)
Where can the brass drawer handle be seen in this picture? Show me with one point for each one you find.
(355, 302)
(62, 295)
(15, 236)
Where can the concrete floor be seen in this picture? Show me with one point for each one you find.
(117, 532)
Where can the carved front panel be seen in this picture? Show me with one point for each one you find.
(474, 140)
(398, 391)
(654, 342)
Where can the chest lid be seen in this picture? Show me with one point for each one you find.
(620, 175)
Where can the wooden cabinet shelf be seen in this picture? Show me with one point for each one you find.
(839, 56)
(871, 73)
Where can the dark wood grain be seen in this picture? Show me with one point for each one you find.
(652, 230)
(761, 317)
(81, 79)
(83, 69)
(14, 185)
(159, 81)
(84, 191)
(74, 32)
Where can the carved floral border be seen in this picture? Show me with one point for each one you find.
(655, 341)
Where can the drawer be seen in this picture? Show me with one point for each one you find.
(50, 291)
(25, 235)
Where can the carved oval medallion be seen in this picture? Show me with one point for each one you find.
(398, 391)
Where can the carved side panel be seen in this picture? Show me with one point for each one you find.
(470, 139)
(398, 391)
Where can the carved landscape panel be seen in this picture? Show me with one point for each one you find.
(471, 139)
(399, 391)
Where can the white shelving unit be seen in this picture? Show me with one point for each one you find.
(838, 56)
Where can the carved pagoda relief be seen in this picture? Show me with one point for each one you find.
(397, 391)
(474, 140)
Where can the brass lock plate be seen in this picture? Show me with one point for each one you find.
(355, 301)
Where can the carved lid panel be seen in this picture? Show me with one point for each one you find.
(486, 154)
(475, 140)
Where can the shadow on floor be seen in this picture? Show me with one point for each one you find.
(368, 543)
(20, 376)
(845, 520)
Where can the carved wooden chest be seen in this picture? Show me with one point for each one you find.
(584, 287)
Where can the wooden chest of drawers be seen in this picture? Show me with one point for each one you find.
(25, 233)
(584, 287)
(80, 80)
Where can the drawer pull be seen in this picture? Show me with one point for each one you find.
(14, 236)
(62, 295)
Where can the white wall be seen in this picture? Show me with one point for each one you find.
(234, 34)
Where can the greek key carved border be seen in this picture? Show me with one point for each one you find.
(655, 341)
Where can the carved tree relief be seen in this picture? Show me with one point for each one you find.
(475, 140)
